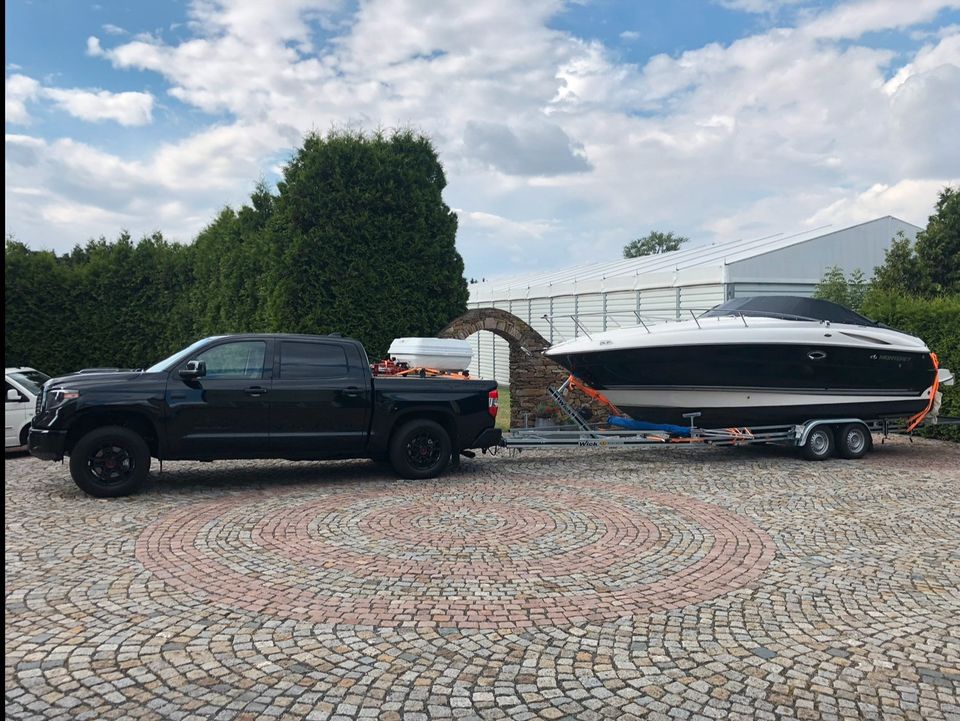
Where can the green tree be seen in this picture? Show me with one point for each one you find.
(103, 304)
(356, 240)
(931, 266)
(653, 244)
(361, 242)
(833, 286)
(938, 245)
(836, 287)
(901, 271)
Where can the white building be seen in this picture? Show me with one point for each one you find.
(671, 285)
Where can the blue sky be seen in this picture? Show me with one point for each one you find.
(566, 128)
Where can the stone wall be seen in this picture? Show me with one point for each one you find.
(531, 372)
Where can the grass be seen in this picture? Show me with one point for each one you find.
(503, 415)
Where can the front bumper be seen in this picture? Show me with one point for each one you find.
(46, 445)
(488, 437)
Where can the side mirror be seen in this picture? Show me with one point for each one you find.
(13, 396)
(195, 369)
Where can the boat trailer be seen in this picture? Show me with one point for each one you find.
(819, 439)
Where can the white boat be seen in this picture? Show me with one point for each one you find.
(757, 361)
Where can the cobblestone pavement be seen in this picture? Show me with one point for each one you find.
(663, 584)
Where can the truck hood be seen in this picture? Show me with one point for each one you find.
(97, 379)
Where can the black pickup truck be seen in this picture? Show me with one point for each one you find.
(300, 397)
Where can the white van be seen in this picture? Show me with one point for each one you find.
(22, 387)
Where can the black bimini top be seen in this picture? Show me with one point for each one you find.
(790, 307)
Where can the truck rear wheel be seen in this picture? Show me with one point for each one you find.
(110, 461)
(420, 449)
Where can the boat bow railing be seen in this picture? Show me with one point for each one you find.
(583, 327)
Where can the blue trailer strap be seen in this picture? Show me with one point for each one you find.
(633, 425)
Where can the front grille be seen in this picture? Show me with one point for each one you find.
(40, 401)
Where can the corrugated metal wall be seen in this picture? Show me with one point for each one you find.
(596, 312)
(740, 290)
(491, 357)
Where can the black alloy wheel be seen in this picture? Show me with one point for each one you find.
(420, 449)
(110, 461)
(111, 464)
(423, 451)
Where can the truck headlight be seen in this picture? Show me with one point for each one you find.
(56, 397)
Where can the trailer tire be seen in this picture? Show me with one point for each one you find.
(853, 441)
(819, 445)
(420, 449)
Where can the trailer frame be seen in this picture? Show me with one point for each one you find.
(581, 434)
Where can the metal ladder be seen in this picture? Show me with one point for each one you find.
(557, 395)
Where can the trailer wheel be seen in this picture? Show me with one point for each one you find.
(819, 445)
(853, 441)
(420, 449)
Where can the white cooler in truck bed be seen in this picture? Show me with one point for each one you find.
(443, 354)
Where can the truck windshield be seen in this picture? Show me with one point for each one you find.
(180, 356)
(31, 380)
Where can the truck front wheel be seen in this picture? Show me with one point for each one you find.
(110, 461)
(420, 449)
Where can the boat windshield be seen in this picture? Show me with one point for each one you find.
(788, 307)
(180, 355)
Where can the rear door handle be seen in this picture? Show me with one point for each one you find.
(255, 391)
(351, 392)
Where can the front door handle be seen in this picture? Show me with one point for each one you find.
(255, 391)
(816, 355)
(351, 392)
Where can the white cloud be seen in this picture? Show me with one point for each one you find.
(930, 57)
(900, 199)
(558, 149)
(94, 105)
(756, 6)
(853, 19)
(18, 91)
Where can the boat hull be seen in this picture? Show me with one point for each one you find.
(723, 409)
(741, 384)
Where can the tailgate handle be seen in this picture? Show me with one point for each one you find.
(255, 391)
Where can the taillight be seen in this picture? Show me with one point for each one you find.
(493, 403)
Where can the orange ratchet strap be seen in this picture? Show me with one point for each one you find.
(572, 382)
(918, 418)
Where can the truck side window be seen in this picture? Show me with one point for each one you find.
(312, 360)
(243, 359)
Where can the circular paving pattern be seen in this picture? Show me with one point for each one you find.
(857, 615)
(541, 552)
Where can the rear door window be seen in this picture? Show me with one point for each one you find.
(312, 360)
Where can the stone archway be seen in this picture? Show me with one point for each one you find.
(531, 372)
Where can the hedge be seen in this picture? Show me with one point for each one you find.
(937, 322)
